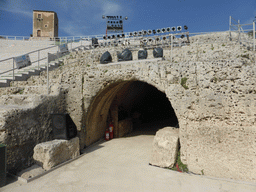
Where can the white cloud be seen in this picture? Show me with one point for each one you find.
(17, 7)
(111, 8)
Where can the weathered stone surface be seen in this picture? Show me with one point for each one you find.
(165, 147)
(52, 153)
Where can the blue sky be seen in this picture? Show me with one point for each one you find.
(84, 17)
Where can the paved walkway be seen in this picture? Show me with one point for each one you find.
(122, 165)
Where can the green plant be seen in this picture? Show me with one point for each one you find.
(105, 71)
(182, 166)
(245, 56)
(183, 82)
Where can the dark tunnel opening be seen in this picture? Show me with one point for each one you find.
(148, 108)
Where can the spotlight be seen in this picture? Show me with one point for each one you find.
(179, 28)
(145, 33)
(109, 37)
(154, 31)
(168, 29)
(157, 39)
(145, 40)
(182, 36)
(158, 31)
(113, 36)
(164, 38)
(130, 34)
(173, 29)
(149, 32)
(140, 33)
(119, 42)
(104, 37)
(150, 40)
(123, 35)
(163, 30)
(135, 33)
(118, 36)
(185, 27)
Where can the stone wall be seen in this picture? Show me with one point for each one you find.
(210, 86)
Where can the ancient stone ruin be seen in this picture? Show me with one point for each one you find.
(209, 89)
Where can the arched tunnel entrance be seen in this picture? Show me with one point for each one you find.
(132, 106)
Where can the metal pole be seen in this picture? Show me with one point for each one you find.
(38, 56)
(171, 46)
(239, 31)
(48, 73)
(13, 68)
(230, 28)
(253, 35)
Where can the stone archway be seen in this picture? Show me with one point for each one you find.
(127, 103)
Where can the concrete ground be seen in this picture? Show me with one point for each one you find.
(122, 165)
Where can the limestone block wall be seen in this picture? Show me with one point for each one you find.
(25, 123)
(210, 86)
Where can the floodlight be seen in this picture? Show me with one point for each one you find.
(145, 33)
(113, 36)
(173, 28)
(149, 31)
(104, 37)
(145, 40)
(109, 37)
(158, 30)
(182, 36)
(179, 28)
(168, 29)
(118, 36)
(185, 27)
(126, 18)
(163, 30)
(157, 39)
(150, 40)
(164, 37)
(140, 33)
(130, 34)
(103, 16)
(119, 41)
(123, 35)
(154, 31)
(135, 33)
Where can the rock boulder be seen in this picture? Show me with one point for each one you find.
(165, 147)
(52, 153)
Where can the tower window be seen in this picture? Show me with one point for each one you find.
(39, 16)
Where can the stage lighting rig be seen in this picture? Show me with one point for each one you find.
(114, 23)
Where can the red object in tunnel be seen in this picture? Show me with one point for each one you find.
(107, 134)
(111, 131)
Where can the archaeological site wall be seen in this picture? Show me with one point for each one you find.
(211, 88)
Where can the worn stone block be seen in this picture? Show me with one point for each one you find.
(165, 147)
(52, 153)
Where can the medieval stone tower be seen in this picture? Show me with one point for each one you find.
(45, 24)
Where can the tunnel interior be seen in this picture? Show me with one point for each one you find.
(147, 108)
